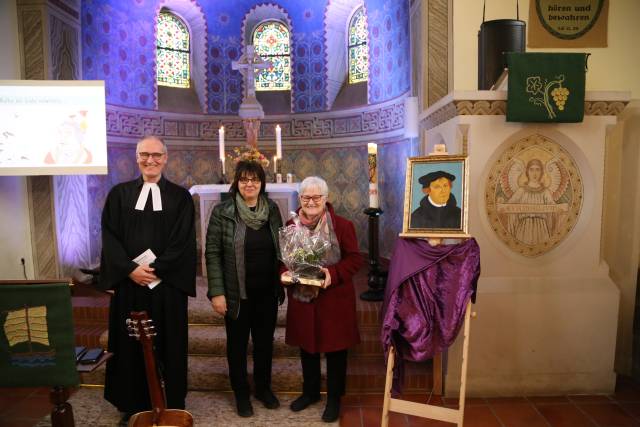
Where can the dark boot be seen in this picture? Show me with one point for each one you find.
(268, 399)
(303, 402)
(243, 406)
(332, 410)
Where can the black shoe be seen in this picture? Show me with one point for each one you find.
(268, 399)
(303, 402)
(332, 410)
(244, 408)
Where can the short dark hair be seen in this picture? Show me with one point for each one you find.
(248, 167)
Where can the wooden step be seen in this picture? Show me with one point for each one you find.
(212, 340)
(363, 374)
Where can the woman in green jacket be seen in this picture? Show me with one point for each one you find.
(242, 271)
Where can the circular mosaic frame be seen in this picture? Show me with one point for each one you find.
(532, 221)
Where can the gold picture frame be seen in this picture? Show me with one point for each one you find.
(430, 208)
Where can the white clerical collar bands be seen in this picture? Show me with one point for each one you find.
(144, 195)
(437, 205)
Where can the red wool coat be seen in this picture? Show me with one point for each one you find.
(329, 322)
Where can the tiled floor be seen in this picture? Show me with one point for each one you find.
(24, 407)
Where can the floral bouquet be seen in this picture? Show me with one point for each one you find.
(249, 153)
(303, 254)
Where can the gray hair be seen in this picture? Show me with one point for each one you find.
(157, 138)
(314, 181)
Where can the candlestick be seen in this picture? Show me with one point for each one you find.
(278, 142)
(372, 157)
(221, 143)
(275, 164)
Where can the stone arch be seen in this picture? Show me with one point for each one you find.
(266, 12)
(336, 24)
(192, 15)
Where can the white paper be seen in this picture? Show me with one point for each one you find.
(147, 257)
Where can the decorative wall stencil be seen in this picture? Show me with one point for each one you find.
(64, 50)
(32, 42)
(534, 195)
(133, 123)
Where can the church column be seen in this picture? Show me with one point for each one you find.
(49, 32)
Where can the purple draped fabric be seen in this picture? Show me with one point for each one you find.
(425, 298)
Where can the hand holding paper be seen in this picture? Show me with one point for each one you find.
(143, 272)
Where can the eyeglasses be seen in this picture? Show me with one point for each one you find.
(245, 180)
(307, 199)
(154, 156)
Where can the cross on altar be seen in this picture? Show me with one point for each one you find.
(247, 64)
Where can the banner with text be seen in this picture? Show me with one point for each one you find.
(568, 23)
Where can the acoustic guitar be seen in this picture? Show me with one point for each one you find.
(141, 327)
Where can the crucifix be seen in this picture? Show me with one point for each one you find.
(250, 109)
(247, 65)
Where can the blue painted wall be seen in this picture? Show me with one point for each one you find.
(119, 47)
(389, 49)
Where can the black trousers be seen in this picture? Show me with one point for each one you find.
(257, 316)
(336, 373)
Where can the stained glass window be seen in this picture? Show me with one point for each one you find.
(358, 51)
(172, 51)
(271, 42)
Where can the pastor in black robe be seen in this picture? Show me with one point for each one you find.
(170, 234)
(429, 216)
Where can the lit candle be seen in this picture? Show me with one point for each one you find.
(278, 142)
(372, 150)
(221, 147)
(221, 142)
(275, 164)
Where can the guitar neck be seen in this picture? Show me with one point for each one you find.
(156, 386)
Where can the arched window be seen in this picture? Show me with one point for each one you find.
(357, 48)
(172, 51)
(271, 42)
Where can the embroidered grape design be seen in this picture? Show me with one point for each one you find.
(560, 95)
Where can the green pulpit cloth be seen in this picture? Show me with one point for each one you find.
(546, 87)
(36, 336)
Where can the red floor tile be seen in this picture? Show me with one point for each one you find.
(631, 408)
(566, 415)
(518, 415)
(480, 416)
(589, 398)
(544, 400)
(350, 417)
(425, 422)
(375, 400)
(608, 414)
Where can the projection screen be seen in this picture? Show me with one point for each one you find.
(52, 127)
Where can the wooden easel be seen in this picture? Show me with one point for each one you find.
(424, 410)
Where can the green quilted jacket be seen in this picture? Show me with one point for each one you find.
(224, 253)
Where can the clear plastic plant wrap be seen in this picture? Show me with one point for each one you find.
(302, 253)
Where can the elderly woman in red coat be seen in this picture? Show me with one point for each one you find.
(323, 320)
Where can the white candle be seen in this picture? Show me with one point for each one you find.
(221, 142)
(278, 142)
(275, 164)
(372, 157)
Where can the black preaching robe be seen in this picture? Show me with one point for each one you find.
(429, 216)
(170, 234)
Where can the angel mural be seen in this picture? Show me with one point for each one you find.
(533, 194)
(535, 200)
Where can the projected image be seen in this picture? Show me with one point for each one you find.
(53, 128)
(70, 145)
